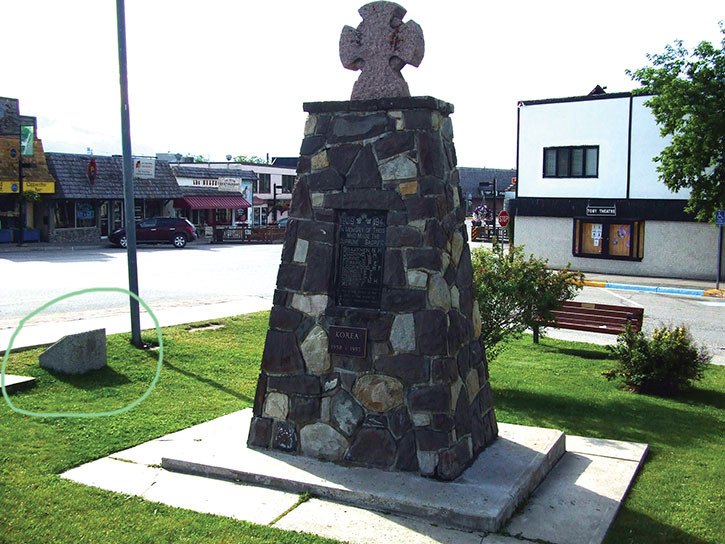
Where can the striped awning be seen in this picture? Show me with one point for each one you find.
(209, 202)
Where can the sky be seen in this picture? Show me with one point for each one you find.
(224, 77)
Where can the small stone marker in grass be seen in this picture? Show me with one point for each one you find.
(76, 353)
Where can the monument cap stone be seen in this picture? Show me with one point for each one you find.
(380, 47)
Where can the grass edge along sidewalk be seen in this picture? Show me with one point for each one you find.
(211, 369)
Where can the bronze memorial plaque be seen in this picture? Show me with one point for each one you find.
(360, 256)
(349, 341)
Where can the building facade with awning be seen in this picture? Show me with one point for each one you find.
(214, 197)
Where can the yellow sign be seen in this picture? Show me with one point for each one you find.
(9, 187)
(42, 187)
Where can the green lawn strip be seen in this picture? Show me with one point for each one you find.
(209, 373)
(206, 374)
(678, 496)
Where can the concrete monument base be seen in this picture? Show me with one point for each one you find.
(576, 502)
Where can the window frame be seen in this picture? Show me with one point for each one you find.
(636, 238)
(266, 180)
(288, 183)
(563, 168)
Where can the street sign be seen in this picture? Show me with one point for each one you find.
(720, 217)
(503, 218)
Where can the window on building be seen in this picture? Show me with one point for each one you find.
(70, 214)
(571, 162)
(288, 182)
(264, 183)
(609, 238)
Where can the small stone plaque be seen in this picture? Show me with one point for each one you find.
(350, 341)
(360, 256)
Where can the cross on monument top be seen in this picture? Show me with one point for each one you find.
(380, 47)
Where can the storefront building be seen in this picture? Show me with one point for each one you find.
(589, 194)
(88, 202)
(24, 177)
(214, 198)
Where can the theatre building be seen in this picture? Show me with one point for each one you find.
(588, 191)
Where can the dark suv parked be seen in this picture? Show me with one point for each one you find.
(175, 230)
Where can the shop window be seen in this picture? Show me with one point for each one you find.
(288, 182)
(70, 214)
(609, 239)
(571, 162)
(264, 183)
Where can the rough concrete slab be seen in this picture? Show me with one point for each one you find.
(360, 526)
(242, 502)
(17, 383)
(247, 503)
(616, 449)
(114, 475)
(482, 499)
(580, 498)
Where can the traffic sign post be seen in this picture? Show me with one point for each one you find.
(720, 222)
(503, 218)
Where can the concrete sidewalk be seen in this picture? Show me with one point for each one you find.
(576, 503)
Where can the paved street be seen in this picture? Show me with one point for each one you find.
(207, 281)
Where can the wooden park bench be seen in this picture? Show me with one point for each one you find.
(602, 318)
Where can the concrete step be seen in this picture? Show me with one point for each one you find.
(483, 498)
(576, 502)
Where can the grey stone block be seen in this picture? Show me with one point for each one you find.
(76, 353)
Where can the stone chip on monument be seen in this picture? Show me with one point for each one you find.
(375, 264)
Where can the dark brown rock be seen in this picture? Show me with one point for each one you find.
(341, 157)
(284, 319)
(282, 354)
(394, 144)
(425, 258)
(304, 409)
(409, 369)
(403, 236)
(295, 385)
(365, 199)
(402, 300)
(355, 127)
(316, 231)
(430, 332)
(421, 207)
(407, 459)
(260, 432)
(394, 271)
(444, 370)
(289, 276)
(319, 268)
(429, 398)
(453, 461)
(325, 180)
(284, 436)
(312, 144)
(364, 173)
(429, 440)
(372, 447)
(300, 206)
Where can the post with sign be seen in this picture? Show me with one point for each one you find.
(720, 222)
(503, 220)
(27, 141)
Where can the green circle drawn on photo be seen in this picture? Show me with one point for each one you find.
(83, 414)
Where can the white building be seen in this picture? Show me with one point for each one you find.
(588, 191)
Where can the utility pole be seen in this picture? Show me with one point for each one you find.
(128, 195)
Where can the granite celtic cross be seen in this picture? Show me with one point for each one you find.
(380, 47)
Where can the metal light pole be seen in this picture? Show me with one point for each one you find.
(128, 195)
(274, 202)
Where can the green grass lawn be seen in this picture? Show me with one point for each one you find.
(678, 496)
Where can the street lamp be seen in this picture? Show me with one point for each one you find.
(274, 202)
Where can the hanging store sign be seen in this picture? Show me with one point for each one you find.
(9, 187)
(144, 168)
(601, 211)
(92, 171)
(42, 187)
(230, 184)
(27, 138)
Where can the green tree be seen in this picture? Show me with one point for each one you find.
(516, 293)
(253, 159)
(688, 103)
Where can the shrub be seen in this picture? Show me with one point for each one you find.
(666, 364)
(515, 292)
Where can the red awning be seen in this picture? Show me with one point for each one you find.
(208, 202)
(258, 201)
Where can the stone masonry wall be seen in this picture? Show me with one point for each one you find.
(420, 399)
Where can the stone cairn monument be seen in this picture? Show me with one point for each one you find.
(372, 357)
